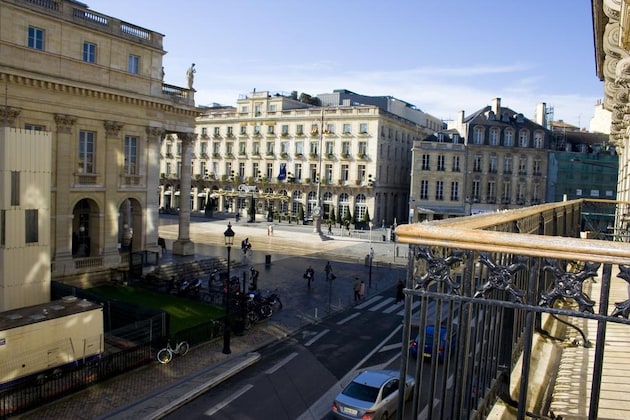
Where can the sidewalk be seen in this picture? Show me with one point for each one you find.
(154, 390)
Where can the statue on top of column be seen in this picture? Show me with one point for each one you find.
(190, 76)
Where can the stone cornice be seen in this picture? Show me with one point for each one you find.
(102, 95)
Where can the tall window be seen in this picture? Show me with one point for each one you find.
(269, 171)
(494, 137)
(476, 191)
(15, 188)
(492, 164)
(538, 140)
(299, 147)
(492, 191)
(361, 173)
(313, 148)
(330, 147)
(256, 170)
(346, 128)
(241, 171)
(35, 38)
(537, 166)
(522, 166)
(298, 171)
(426, 162)
(439, 190)
(345, 170)
(507, 165)
(507, 191)
(242, 148)
(363, 128)
(523, 138)
(456, 164)
(362, 148)
(299, 129)
(454, 191)
(509, 138)
(31, 226)
(133, 64)
(131, 155)
(328, 172)
(477, 163)
(89, 52)
(478, 135)
(440, 164)
(345, 148)
(86, 152)
(424, 189)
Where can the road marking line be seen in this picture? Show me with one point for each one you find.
(226, 402)
(414, 305)
(317, 337)
(390, 347)
(280, 363)
(381, 304)
(351, 317)
(369, 302)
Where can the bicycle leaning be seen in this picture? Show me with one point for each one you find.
(166, 354)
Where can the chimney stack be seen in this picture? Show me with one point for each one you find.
(496, 107)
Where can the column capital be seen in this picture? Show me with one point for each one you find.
(187, 137)
(65, 123)
(155, 132)
(112, 128)
(8, 116)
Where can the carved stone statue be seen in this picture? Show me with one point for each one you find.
(190, 76)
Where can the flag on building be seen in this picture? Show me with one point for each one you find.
(283, 172)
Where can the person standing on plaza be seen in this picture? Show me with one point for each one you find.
(400, 286)
(362, 290)
(357, 289)
(328, 270)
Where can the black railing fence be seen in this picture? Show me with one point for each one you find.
(491, 290)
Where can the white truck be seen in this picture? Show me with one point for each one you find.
(46, 339)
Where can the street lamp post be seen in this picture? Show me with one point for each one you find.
(317, 211)
(229, 241)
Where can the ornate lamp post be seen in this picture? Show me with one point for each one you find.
(229, 241)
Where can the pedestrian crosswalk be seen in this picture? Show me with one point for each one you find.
(387, 305)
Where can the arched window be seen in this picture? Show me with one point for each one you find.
(297, 200)
(494, 137)
(523, 138)
(311, 202)
(538, 140)
(344, 206)
(284, 204)
(509, 137)
(360, 207)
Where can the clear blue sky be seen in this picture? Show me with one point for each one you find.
(443, 56)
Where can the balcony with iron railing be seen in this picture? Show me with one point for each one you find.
(507, 290)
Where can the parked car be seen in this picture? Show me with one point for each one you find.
(372, 394)
(429, 335)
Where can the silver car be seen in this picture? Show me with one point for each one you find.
(372, 394)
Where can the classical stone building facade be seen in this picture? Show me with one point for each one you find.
(493, 159)
(95, 83)
(611, 30)
(285, 154)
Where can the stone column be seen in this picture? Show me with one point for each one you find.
(152, 176)
(109, 228)
(61, 208)
(183, 245)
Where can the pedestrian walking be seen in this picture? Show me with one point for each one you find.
(328, 270)
(399, 291)
(330, 228)
(162, 245)
(357, 289)
(309, 275)
(362, 290)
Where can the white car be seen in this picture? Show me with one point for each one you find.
(372, 394)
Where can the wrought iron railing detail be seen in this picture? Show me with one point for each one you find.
(569, 285)
(438, 269)
(501, 277)
(622, 309)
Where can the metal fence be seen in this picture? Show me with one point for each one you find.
(487, 287)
